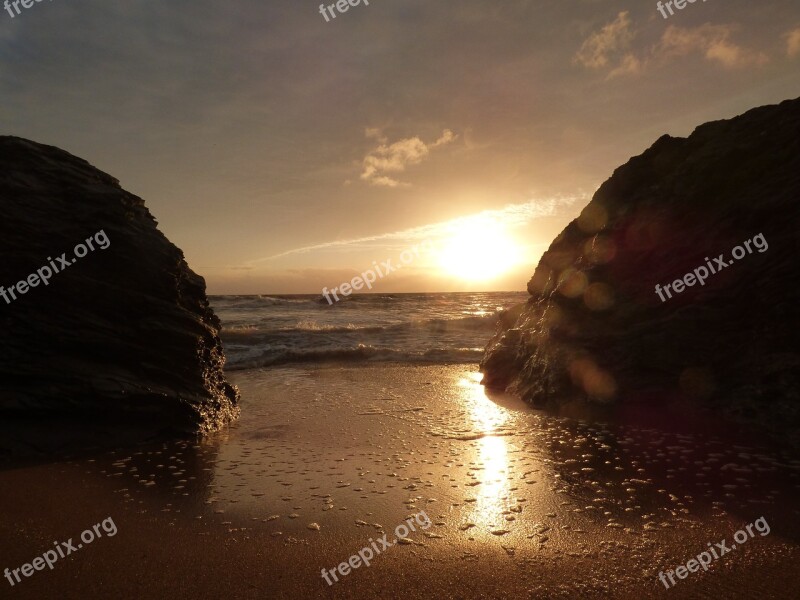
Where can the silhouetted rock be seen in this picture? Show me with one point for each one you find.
(594, 328)
(125, 334)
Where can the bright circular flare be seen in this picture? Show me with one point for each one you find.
(479, 250)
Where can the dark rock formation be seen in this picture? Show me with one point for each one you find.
(124, 335)
(595, 331)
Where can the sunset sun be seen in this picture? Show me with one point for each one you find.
(479, 249)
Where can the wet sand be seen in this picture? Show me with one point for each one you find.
(522, 504)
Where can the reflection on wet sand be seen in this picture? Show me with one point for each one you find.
(490, 474)
(350, 454)
(513, 472)
(494, 490)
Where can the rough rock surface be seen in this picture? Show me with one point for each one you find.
(125, 334)
(595, 331)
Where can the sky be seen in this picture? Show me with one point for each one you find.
(284, 153)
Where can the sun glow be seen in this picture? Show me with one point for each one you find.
(480, 249)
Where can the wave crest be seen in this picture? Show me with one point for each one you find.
(358, 354)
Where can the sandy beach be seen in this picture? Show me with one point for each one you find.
(530, 505)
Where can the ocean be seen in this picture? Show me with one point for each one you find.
(260, 331)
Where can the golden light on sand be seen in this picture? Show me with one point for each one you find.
(486, 415)
(493, 454)
(480, 249)
(491, 459)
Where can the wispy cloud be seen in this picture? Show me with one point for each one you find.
(793, 43)
(512, 215)
(394, 158)
(610, 48)
(629, 65)
(712, 41)
(603, 48)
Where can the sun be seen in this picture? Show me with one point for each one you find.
(480, 249)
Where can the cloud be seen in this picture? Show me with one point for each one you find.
(394, 158)
(610, 48)
(712, 41)
(511, 215)
(375, 133)
(793, 42)
(600, 48)
(629, 65)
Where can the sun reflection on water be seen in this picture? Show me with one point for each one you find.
(487, 417)
(492, 467)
